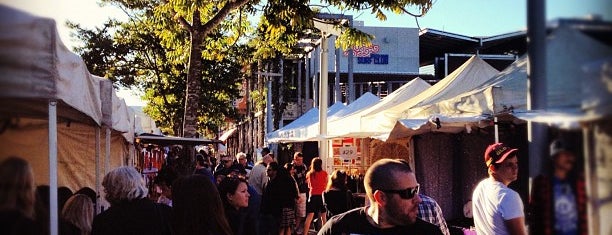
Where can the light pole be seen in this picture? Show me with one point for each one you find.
(326, 30)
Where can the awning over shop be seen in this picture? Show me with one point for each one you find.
(227, 134)
(171, 140)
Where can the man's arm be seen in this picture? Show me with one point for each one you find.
(516, 226)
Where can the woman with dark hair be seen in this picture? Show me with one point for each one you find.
(197, 207)
(17, 197)
(317, 181)
(337, 197)
(233, 190)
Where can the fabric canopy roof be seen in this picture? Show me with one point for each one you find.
(569, 89)
(472, 73)
(351, 125)
(301, 129)
(35, 67)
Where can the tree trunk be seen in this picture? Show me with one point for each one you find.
(193, 79)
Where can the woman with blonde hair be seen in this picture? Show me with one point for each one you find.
(79, 211)
(17, 197)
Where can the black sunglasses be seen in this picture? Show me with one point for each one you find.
(405, 193)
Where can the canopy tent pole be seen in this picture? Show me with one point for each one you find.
(107, 154)
(53, 213)
(98, 187)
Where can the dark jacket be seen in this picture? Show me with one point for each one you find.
(140, 216)
(279, 193)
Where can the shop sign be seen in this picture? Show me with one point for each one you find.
(348, 152)
(369, 55)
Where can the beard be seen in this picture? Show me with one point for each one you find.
(397, 215)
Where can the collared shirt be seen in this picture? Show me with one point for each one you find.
(430, 211)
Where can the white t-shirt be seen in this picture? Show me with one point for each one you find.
(492, 204)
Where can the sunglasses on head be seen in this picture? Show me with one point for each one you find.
(405, 193)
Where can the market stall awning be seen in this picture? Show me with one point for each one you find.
(227, 134)
(171, 140)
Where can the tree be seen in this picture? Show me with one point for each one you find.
(202, 18)
(133, 54)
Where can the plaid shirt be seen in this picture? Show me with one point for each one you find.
(541, 208)
(430, 211)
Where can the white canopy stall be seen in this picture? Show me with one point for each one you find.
(472, 73)
(46, 92)
(299, 130)
(351, 126)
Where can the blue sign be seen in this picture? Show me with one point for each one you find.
(374, 59)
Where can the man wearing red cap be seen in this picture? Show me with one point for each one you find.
(498, 209)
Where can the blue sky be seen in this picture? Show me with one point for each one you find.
(467, 17)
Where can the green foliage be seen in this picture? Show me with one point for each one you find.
(151, 50)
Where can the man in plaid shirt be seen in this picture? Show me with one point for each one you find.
(430, 211)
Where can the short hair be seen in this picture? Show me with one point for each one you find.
(17, 189)
(264, 151)
(124, 184)
(337, 180)
(382, 175)
(297, 154)
(240, 155)
(195, 199)
(79, 211)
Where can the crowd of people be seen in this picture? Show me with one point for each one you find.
(267, 198)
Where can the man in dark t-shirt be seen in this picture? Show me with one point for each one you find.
(392, 190)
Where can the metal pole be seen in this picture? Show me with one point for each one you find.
(53, 210)
(323, 100)
(98, 166)
(590, 169)
(337, 91)
(307, 83)
(269, 125)
(351, 85)
(107, 154)
(536, 98)
(445, 64)
(281, 89)
(299, 86)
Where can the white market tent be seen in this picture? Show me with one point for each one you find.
(351, 126)
(51, 104)
(364, 101)
(472, 73)
(38, 80)
(570, 93)
(507, 91)
(300, 129)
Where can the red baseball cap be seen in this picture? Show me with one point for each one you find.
(497, 153)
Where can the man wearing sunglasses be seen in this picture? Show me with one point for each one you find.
(498, 209)
(393, 190)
